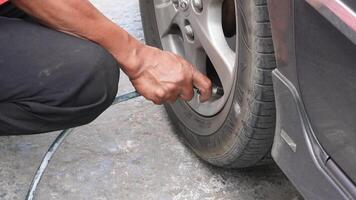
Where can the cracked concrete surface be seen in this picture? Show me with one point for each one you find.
(130, 152)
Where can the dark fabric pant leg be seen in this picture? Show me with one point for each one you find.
(50, 80)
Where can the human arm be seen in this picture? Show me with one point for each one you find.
(159, 76)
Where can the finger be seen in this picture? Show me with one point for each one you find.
(152, 98)
(187, 96)
(173, 92)
(160, 96)
(187, 93)
(148, 90)
(157, 101)
(149, 95)
(172, 99)
(203, 84)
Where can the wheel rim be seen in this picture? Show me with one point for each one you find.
(193, 30)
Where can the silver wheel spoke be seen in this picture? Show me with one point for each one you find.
(195, 55)
(165, 10)
(193, 29)
(208, 30)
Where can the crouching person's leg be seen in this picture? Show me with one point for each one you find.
(51, 81)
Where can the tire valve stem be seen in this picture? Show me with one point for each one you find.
(216, 91)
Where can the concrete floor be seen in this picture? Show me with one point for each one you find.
(130, 152)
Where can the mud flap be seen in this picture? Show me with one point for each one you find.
(297, 151)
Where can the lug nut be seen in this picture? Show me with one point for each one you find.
(183, 4)
(189, 31)
(198, 5)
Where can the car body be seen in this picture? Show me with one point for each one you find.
(315, 140)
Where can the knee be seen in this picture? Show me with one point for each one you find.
(103, 74)
(95, 78)
(102, 77)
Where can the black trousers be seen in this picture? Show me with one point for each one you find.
(50, 80)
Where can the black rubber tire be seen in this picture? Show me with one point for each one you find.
(246, 135)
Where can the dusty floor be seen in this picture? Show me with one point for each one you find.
(130, 152)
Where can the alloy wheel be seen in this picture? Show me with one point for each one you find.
(194, 30)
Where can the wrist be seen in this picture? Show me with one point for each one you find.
(131, 58)
(124, 47)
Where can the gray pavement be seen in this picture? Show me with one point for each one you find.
(130, 152)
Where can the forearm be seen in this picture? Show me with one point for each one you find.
(157, 75)
(81, 18)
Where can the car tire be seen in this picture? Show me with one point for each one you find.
(244, 135)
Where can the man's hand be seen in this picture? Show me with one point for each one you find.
(165, 77)
(159, 76)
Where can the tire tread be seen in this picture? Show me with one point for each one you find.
(258, 130)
